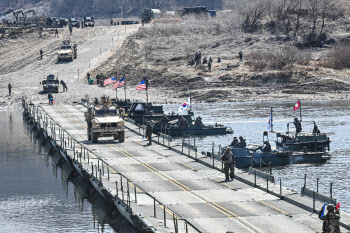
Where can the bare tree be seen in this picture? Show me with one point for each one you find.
(314, 8)
(326, 6)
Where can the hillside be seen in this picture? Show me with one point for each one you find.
(103, 8)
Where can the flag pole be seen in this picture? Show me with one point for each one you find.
(116, 94)
(271, 130)
(146, 81)
(300, 109)
(124, 87)
(191, 101)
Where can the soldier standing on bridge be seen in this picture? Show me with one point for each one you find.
(9, 87)
(149, 131)
(228, 160)
(50, 98)
(41, 54)
(330, 220)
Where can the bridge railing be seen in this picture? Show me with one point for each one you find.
(67, 142)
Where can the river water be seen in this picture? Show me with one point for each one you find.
(34, 196)
(250, 119)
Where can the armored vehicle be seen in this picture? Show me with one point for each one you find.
(74, 22)
(67, 51)
(103, 120)
(89, 22)
(148, 14)
(50, 84)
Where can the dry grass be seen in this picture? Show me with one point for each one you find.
(338, 57)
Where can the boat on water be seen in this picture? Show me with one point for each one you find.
(255, 156)
(303, 140)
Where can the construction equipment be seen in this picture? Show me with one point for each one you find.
(103, 120)
(67, 51)
(50, 84)
(89, 22)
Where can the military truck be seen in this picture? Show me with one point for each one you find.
(89, 22)
(50, 84)
(198, 10)
(67, 51)
(148, 14)
(74, 22)
(103, 120)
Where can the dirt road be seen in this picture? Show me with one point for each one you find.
(21, 66)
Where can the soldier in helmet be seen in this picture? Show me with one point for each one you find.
(149, 131)
(240, 54)
(330, 220)
(234, 142)
(297, 125)
(228, 160)
(50, 98)
(242, 143)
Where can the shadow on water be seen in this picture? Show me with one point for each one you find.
(103, 212)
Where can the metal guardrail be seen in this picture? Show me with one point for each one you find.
(97, 171)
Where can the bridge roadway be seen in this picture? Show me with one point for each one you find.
(190, 189)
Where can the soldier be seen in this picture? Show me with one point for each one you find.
(297, 125)
(219, 59)
(96, 101)
(64, 85)
(183, 121)
(330, 220)
(192, 62)
(56, 32)
(41, 54)
(82, 24)
(267, 146)
(88, 77)
(210, 60)
(234, 142)
(240, 54)
(228, 159)
(209, 66)
(9, 87)
(70, 30)
(242, 143)
(149, 131)
(50, 98)
(112, 22)
(198, 121)
(205, 60)
(316, 130)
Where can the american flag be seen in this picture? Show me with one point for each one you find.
(141, 85)
(109, 81)
(120, 83)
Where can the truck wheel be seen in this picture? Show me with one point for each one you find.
(121, 136)
(94, 137)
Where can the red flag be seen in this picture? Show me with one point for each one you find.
(297, 105)
(337, 206)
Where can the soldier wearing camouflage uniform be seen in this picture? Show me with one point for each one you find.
(149, 131)
(228, 160)
(330, 220)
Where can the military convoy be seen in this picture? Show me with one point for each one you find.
(104, 120)
(67, 51)
(50, 84)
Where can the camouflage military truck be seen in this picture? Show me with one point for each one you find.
(50, 84)
(148, 14)
(103, 120)
(89, 22)
(73, 22)
(67, 51)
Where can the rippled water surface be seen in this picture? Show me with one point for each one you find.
(250, 120)
(33, 195)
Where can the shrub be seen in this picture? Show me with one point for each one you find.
(339, 57)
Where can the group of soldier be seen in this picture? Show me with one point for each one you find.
(197, 60)
(238, 144)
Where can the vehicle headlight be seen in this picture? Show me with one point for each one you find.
(120, 123)
(96, 124)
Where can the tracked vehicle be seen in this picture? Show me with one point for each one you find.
(103, 120)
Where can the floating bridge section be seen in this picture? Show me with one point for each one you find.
(158, 189)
